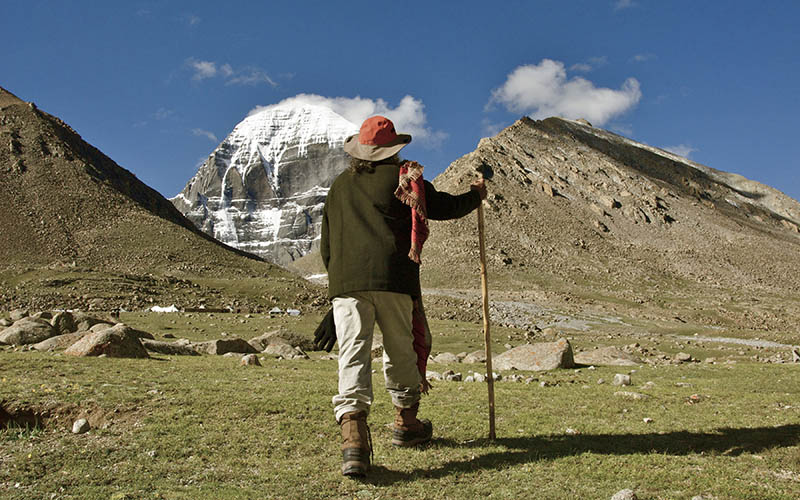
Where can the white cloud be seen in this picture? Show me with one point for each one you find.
(681, 150)
(408, 116)
(543, 90)
(591, 64)
(581, 67)
(643, 57)
(205, 133)
(163, 113)
(624, 4)
(191, 19)
(202, 69)
(248, 76)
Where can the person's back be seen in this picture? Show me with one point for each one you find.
(367, 248)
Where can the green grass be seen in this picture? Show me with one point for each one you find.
(204, 427)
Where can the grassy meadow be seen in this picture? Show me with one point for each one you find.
(175, 427)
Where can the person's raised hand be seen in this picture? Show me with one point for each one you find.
(479, 186)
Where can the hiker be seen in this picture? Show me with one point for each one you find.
(374, 224)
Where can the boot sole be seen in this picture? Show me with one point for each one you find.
(354, 469)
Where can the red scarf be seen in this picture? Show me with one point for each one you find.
(411, 191)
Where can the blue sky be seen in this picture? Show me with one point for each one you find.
(156, 85)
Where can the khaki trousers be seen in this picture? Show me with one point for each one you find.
(355, 315)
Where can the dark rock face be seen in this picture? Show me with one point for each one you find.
(262, 190)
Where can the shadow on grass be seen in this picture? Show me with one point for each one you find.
(725, 441)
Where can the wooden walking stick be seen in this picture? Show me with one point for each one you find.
(486, 173)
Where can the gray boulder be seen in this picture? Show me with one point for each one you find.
(64, 322)
(626, 494)
(27, 331)
(224, 346)
(119, 341)
(250, 360)
(621, 379)
(169, 348)
(285, 351)
(475, 357)
(445, 358)
(83, 321)
(606, 356)
(294, 339)
(59, 341)
(18, 314)
(4, 322)
(98, 327)
(536, 357)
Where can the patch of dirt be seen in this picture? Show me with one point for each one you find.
(14, 414)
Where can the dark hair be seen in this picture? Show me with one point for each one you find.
(358, 165)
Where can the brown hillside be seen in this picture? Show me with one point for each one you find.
(583, 216)
(67, 207)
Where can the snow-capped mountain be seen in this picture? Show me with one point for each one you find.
(262, 189)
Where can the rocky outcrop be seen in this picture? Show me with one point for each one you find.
(262, 189)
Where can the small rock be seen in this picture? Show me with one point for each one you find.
(80, 426)
(168, 336)
(683, 357)
(250, 360)
(621, 379)
(625, 494)
(5, 323)
(431, 375)
(571, 432)
(648, 385)
(479, 377)
(647, 420)
(601, 381)
(469, 378)
(453, 377)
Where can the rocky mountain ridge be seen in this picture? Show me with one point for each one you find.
(580, 215)
(262, 189)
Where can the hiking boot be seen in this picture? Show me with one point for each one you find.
(408, 429)
(356, 444)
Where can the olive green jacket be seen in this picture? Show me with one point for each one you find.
(366, 231)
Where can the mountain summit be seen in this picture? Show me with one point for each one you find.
(262, 189)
